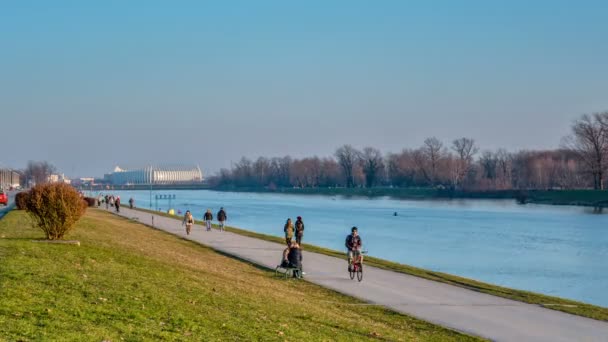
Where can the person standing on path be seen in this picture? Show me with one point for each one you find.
(117, 204)
(188, 221)
(221, 218)
(208, 217)
(107, 199)
(299, 230)
(288, 229)
(131, 201)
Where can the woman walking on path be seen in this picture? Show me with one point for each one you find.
(188, 221)
(117, 204)
(208, 217)
(288, 229)
(221, 217)
(299, 230)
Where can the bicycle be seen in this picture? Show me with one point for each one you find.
(356, 266)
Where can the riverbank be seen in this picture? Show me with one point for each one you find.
(127, 281)
(590, 198)
(550, 302)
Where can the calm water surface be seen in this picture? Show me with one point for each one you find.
(556, 250)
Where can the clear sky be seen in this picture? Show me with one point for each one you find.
(87, 85)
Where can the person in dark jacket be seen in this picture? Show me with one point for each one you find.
(295, 258)
(353, 244)
(299, 230)
(117, 204)
(221, 218)
(131, 201)
(208, 217)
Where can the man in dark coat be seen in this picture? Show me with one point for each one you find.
(221, 218)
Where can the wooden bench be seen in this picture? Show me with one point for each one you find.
(288, 271)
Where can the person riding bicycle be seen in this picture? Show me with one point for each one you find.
(353, 245)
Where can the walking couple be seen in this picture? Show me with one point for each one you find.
(290, 229)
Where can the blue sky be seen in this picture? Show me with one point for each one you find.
(87, 85)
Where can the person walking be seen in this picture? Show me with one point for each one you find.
(188, 221)
(117, 204)
(288, 229)
(107, 200)
(111, 200)
(131, 201)
(221, 218)
(299, 230)
(208, 217)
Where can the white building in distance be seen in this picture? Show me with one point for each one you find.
(156, 175)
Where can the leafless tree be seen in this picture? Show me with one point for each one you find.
(465, 150)
(402, 168)
(428, 157)
(347, 157)
(589, 140)
(372, 165)
(261, 171)
(38, 172)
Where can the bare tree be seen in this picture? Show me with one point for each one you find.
(261, 171)
(589, 140)
(428, 158)
(402, 168)
(347, 157)
(465, 151)
(372, 165)
(38, 172)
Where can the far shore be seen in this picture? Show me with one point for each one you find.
(589, 198)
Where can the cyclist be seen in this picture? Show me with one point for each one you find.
(353, 245)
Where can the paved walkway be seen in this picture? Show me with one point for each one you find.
(454, 307)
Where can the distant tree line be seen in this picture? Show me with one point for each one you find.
(580, 163)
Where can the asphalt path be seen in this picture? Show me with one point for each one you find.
(457, 308)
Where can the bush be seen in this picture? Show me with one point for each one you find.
(55, 208)
(21, 200)
(90, 201)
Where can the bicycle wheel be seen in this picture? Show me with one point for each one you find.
(360, 273)
(351, 271)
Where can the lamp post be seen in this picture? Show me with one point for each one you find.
(150, 194)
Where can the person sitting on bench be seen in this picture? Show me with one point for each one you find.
(294, 256)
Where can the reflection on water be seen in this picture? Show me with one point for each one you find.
(557, 250)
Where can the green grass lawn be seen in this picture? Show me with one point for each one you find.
(129, 282)
(550, 302)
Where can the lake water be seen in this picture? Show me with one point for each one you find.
(556, 250)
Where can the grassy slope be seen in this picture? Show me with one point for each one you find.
(129, 282)
(556, 303)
